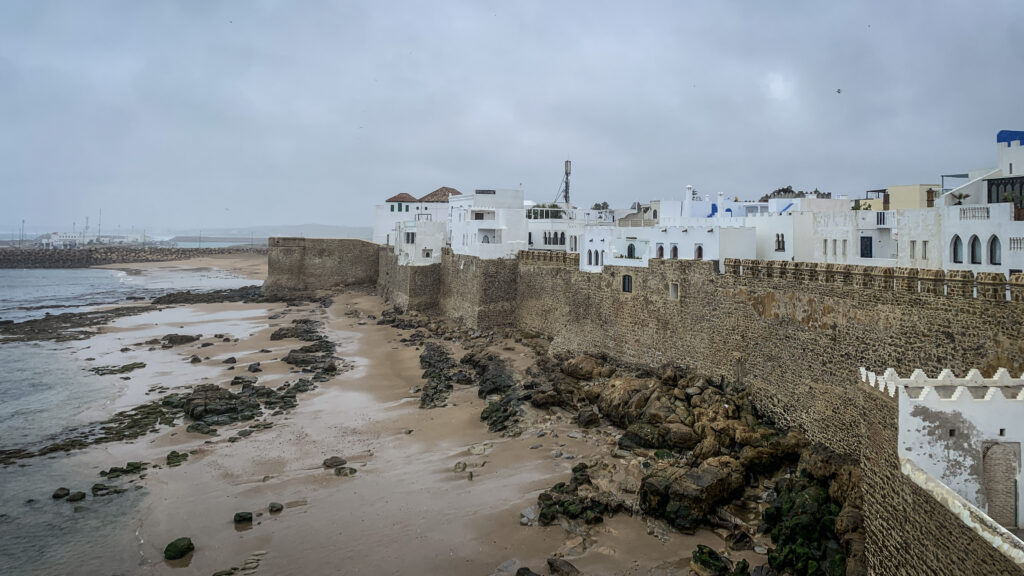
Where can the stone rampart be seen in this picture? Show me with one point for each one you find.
(85, 257)
(296, 265)
(408, 287)
(798, 336)
(478, 293)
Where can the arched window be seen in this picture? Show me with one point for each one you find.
(661, 251)
(561, 239)
(957, 250)
(675, 252)
(698, 252)
(975, 247)
(631, 251)
(486, 240)
(782, 242)
(627, 283)
(590, 258)
(995, 251)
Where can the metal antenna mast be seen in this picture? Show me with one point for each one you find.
(568, 170)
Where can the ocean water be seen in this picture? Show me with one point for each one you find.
(45, 389)
(26, 294)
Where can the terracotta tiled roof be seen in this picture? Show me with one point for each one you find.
(403, 197)
(441, 195)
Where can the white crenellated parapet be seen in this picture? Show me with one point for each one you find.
(947, 386)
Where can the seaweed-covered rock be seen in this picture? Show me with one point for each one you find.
(684, 496)
(501, 416)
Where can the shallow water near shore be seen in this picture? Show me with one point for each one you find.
(33, 293)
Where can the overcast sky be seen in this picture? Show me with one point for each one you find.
(205, 114)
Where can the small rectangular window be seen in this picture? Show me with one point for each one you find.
(952, 432)
(627, 283)
(913, 249)
(410, 237)
(1002, 431)
(392, 207)
(844, 247)
(834, 244)
(924, 249)
(824, 247)
(673, 291)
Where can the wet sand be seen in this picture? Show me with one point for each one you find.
(406, 511)
(252, 266)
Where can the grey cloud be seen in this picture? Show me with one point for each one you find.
(237, 113)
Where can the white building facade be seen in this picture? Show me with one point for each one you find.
(488, 224)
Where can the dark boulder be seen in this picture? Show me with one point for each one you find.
(178, 548)
(560, 567)
(178, 339)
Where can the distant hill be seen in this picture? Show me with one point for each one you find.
(263, 232)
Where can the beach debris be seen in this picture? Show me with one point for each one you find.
(460, 466)
(178, 548)
(345, 471)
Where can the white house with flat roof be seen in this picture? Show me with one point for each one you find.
(488, 224)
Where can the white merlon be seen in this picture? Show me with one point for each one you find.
(947, 386)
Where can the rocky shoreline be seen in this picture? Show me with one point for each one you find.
(689, 451)
(683, 452)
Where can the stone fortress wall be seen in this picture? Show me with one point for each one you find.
(797, 334)
(305, 264)
(408, 287)
(85, 257)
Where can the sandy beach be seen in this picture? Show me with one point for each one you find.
(433, 490)
(252, 266)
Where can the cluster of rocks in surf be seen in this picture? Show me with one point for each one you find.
(67, 326)
(708, 461)
(243, 294)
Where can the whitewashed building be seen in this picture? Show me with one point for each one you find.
(405, 207)
(488, 224)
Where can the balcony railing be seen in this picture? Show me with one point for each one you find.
(974, 213)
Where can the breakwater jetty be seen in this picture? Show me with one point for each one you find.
(85, 257)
